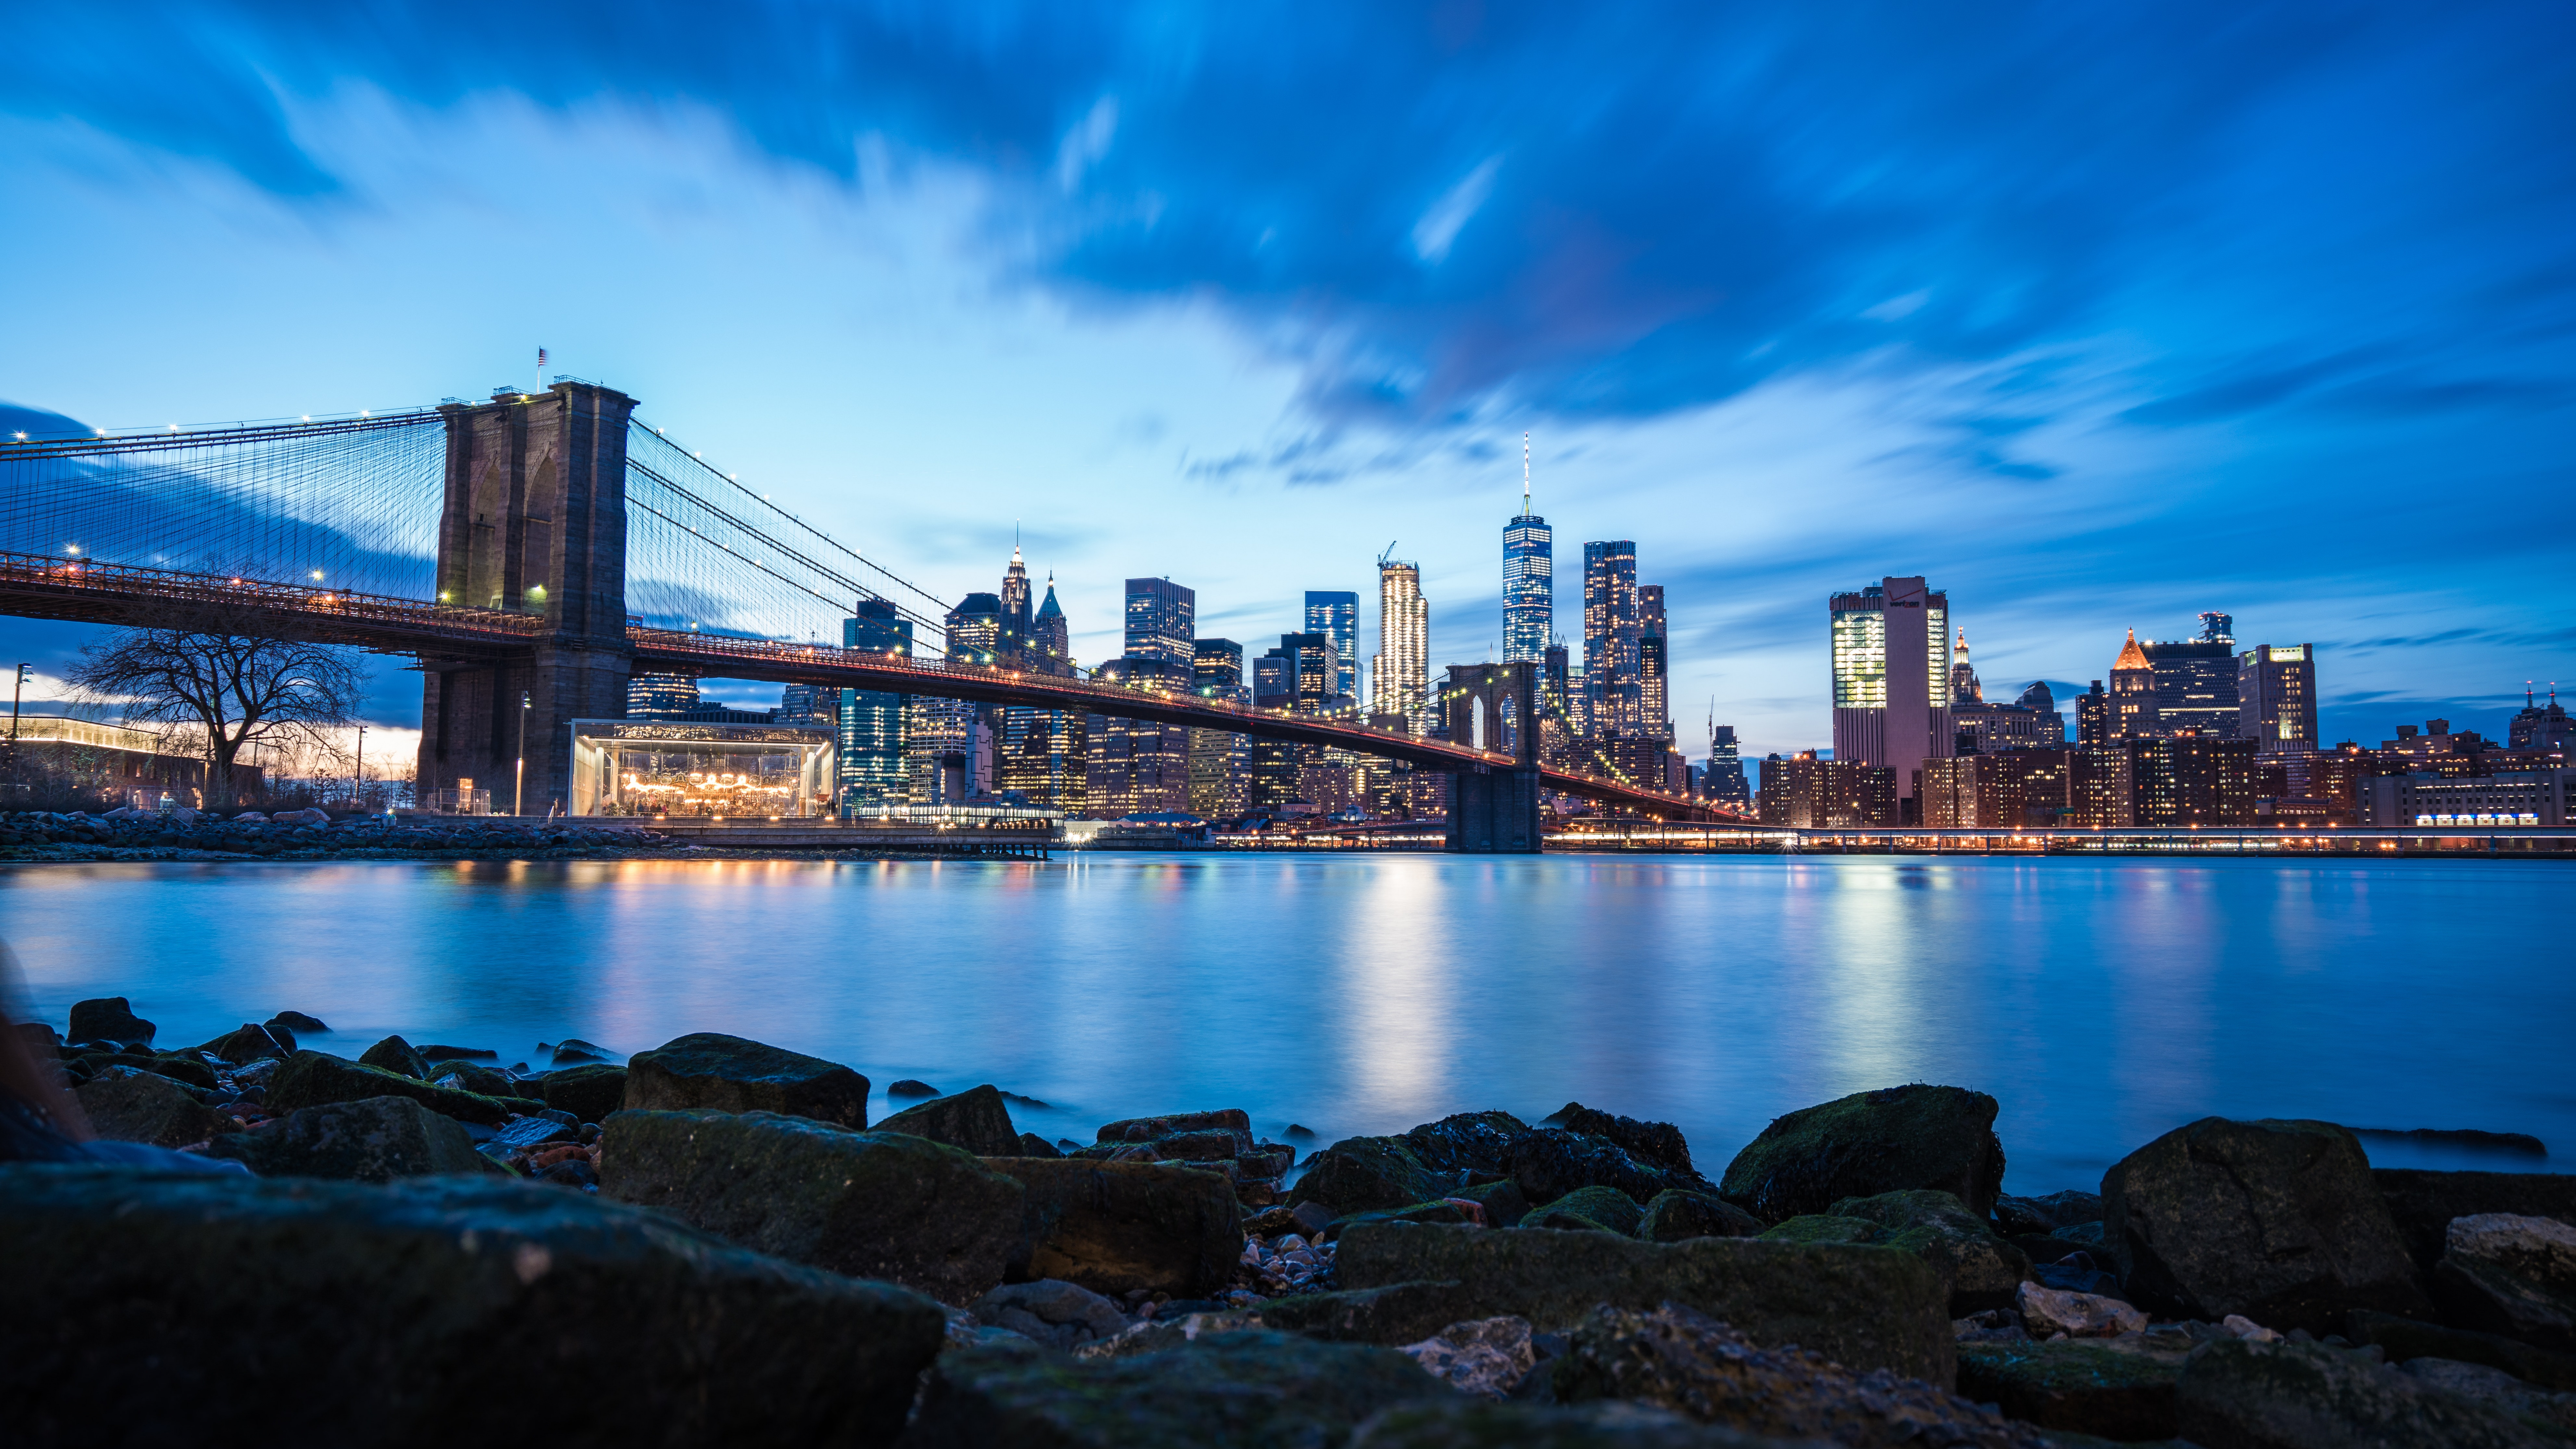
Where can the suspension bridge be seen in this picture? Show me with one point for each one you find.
(546, 545)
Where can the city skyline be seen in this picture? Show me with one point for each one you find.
(1844, 350)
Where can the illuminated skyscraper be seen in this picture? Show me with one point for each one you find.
(1529, 565)
(1611, 675)
(1891, 662)
(1335, 614)
(660, 696)
(873, 767)
(1162, 620)
(1050, 641)
(1400, 678)
(1014, 633)
(2276, 697)
(1654, 665)
(2133, 693)
(1220, 760)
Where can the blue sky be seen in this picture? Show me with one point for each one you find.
(2099, 316)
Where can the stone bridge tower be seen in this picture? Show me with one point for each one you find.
(1494, 809)
(534, 522)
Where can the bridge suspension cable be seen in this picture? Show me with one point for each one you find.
(350, 503)
(686, 568)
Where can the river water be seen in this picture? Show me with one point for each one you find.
(2102, 1002)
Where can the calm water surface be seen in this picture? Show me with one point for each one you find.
(2101, 1002)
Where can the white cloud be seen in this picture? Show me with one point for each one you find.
(1438, 229)
(1088, 141)
(1896, 309)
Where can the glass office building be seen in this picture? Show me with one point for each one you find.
(1335, 614)
(871, 770)
(1529, 584)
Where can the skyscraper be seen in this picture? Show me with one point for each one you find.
(1220, 760)
(1050, 641)
(1654, 665)
(660, 696)
(1724, 779)
(1400, 678)
(873, 768)
(1610, 638)
(2195, 680)
(1964, 688)
(1891, 662)
(1335, 613)
(1014, 640)
(2276, 697)
(2133, 693)
(1529, 584)
(1162, 620)
(2541, 728)
(1045, 753)
(809, 704)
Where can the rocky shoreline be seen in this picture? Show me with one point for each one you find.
(712, 1241)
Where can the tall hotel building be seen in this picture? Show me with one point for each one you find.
(1891, 644)
(1400, 677)
(2276, 698)
(1529, 584)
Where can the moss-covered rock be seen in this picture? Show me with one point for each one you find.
(1983, 1270)
(1606, 1207)
(1659, 1144)
(1228, 1388)
(313, 1079)
(248, 1043)
(1358, 1174)
(1467, 1143)
(1550, 1162)
(2513, 1275)
(974, 1120)
(126, 1104)
(869, 1204)
(393, 1054)
(1823, 1228)
(589, 1092)
(219, 1308)
(1504, 1202)
(2292, 1394)
(376, 1140)
(109, 1018)
(1393, 1314)
(2086, 1387)
(1864, 1307)
(1870, 1143)
(1115, 1227)
(2410, 1338)
(2275, 1220)
(482, 1080)
(2040, 1216)
(730, 1074)
(1678, 1213)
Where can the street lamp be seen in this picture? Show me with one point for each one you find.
(15, 695)
(519, 781)
(358, 787)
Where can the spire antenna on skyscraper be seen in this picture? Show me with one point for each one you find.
(1525, 474)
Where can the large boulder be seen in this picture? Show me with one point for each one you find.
(1227, 1388)
(1983, 1270)
(249, 1043)
(1942, 1138)
(974, 1120)
(2274, 1220)
(1675, 1358)
(1053, 1312)
(2114, 1388)
(1595, 1207)
(2424, 1202)
(588, 1092)
(376, 1140)
(1863, 1307)
(1658, 1144)
(393, 1054)
(1467, 1144)
(1116, 1227)
(314, 1079)
(109, 1018)
(729, 1074)
(2253, 1395)
(1362, 1174)
(2511, 1275)
(189, 1308)
(1678, 1213)
(2040, 1216)
(128, 1104)
(2408, 1338)
(868, 1204)
(1550, 1162)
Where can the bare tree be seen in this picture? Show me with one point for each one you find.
(237, 689)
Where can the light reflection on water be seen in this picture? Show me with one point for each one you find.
(2103, 1002)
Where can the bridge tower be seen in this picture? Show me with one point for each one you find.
(1494, 810)
(534, 521)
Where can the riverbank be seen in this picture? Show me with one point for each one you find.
(1854, 1273)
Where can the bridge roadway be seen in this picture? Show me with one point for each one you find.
(40, 586)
